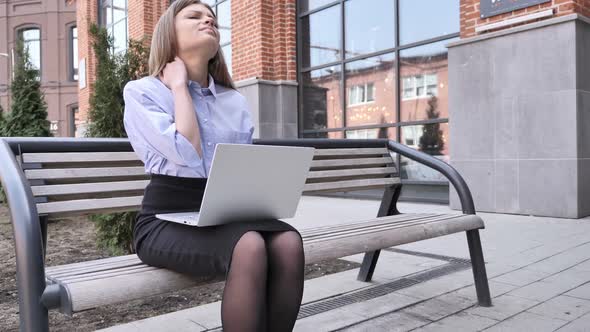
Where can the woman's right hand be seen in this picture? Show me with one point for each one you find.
(174, 75)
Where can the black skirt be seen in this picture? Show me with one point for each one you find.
(202, 252)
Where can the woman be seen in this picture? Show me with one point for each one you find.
(173, 119)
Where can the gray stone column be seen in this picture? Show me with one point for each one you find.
(273, 105)
(520, 118)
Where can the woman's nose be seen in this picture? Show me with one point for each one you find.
(209, 20)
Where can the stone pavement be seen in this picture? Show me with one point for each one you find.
(538, 269)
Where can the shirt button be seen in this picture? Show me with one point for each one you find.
(205, 120)
(209, 143)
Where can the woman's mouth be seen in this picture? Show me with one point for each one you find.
(209, 30)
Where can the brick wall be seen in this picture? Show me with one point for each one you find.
(470, 16)
(143, 16)
(263, 39)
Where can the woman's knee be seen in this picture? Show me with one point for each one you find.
(251, 244)
(286, 243)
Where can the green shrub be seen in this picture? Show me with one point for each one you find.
(114, 231)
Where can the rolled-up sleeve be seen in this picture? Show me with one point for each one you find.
(148, 125)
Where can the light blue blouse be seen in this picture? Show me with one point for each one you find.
(222, 114)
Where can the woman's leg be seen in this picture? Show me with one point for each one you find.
(243, 307)
(285, 279)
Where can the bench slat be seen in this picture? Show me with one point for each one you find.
(115, 204)
(129, 278)
(376, 228)
(88, 188)
(351, 172)
(78, 157)
(351, 162)
(84, 173)
(397, 219)
(350, 185)
(350, 152)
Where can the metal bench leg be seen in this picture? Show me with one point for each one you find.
(368, 266)
(43, 221)
(479, 269)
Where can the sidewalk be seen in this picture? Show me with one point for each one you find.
(538, 270)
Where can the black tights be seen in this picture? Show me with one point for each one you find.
(264, 286)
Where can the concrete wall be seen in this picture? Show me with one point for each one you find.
(519, 118)
(273, 105)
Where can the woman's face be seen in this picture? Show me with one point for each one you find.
(197, 31)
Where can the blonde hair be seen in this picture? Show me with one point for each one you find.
(164, 46)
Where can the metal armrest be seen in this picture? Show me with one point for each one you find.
(447, 170)
(27, 238)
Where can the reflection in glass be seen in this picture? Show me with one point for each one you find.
(114, 19)
(430, 139)
(224, 22)
(120, 36)
(369, 28)
(32, 43)
(424, 82)
(425, 19)
(321, 100)
(370, 91)
(74, 53)
(227, 56)
(307, 5)
(321, 37)
(119, 10)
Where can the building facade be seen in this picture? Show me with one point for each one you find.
(49, 30)
(498, 88)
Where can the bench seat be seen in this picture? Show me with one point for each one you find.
(92, 284)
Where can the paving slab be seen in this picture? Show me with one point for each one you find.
(527, 321)
(562, 307)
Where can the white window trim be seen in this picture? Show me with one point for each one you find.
(415, 87)
(365, 93)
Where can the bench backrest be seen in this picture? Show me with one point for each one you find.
(72, 183)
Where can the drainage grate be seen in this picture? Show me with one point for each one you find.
(380, 290)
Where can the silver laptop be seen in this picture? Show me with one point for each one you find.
(250, 182)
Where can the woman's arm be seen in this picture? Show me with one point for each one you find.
(186, 117)
(175, 77)
(149, 127)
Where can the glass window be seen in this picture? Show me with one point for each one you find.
(222, 10)
(224, 22)
(322, 99)
(369, 28)
(425, 19)
(114, 19)
(227, 54)
(424, 72)
(73, 60)
(371, 92)
(31, 38)
(322, 37)
(371, 107)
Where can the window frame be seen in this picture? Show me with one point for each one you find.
(102, 4)
(73, 73)
(18, 34)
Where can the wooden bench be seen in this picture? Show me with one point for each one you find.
(48, 178)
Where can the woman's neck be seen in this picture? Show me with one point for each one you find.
(198, 71)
